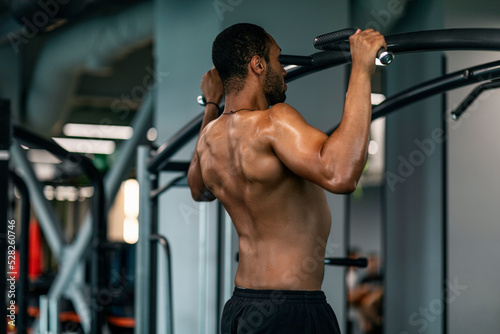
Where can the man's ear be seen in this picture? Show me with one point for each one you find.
(257, 64)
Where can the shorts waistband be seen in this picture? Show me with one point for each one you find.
(283, 296)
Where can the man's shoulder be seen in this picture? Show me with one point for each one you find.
(281, 108)
(268, 118)
(284, 112)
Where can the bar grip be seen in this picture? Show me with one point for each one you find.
(334, 40)
(337, 261)
(338, 41)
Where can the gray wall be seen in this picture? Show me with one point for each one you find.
(183, 37)
(474, 185)
(414, 203)
(415, 299)
(365, 221)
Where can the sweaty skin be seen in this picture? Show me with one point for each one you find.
(269, 168)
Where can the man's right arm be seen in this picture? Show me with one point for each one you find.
(336, 162)
(211, 86)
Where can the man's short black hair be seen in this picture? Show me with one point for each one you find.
(233, 49)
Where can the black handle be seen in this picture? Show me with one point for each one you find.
(336, 261)
(339, 41)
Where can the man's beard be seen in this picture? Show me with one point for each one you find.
(274, 87)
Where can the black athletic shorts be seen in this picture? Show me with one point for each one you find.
(276, 312)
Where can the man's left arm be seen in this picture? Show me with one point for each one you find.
(199, 191)
(211, 86)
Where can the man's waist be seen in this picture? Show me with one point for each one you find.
(280, 296)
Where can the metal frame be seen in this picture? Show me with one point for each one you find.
(143, 249)
(471, 75)
(49, 221)
(473, 96)
(434, 40)
(112, 182)
(91, 234)
(55, 236)
(149, 166)
(145, 306)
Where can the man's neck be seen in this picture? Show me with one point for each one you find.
(246, 99)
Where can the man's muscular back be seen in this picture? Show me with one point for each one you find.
(282, 219)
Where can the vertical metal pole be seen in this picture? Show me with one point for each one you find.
(170, 302)
(44, 315)
(153, 205)
(98, 261)
(169, 311)
(444, 193)
(4, 184)
(143, 249)
(347, 246)
(228, 256)
(219, 281)
(54, 316)
(202, 244)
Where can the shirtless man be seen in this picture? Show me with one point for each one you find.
(269, 168)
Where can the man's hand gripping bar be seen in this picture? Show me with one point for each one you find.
(339, 41)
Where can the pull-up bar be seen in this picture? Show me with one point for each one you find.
(420, 41)
(473, 96)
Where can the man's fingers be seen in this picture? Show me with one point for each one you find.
(371, 36)
(211, 85)
(365, 46)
